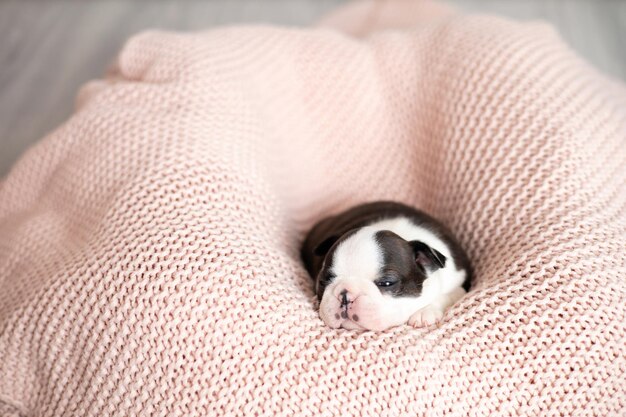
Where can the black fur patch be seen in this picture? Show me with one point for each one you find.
(324, 276)
(399, 266)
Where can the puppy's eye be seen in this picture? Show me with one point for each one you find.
(326, 278)
(386, 282)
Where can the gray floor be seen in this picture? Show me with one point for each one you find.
(49, 48)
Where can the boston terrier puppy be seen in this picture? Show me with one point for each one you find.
(383, 264)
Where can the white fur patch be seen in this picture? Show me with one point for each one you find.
(359, 256)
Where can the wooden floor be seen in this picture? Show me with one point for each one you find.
(48, 48)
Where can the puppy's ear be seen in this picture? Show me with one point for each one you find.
(428, 258)
(323, 248)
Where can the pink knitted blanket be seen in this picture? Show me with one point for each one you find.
(149, 246)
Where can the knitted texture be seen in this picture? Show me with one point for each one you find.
(149, 246)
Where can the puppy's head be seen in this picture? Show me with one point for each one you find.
(371, 279)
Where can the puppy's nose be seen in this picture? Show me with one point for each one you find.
(344, 298)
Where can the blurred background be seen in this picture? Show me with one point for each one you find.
(49, 48)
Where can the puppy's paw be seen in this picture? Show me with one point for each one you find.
(427, 316)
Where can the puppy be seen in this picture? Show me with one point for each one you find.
(383, 264)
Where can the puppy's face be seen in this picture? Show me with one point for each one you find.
(372, 279)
